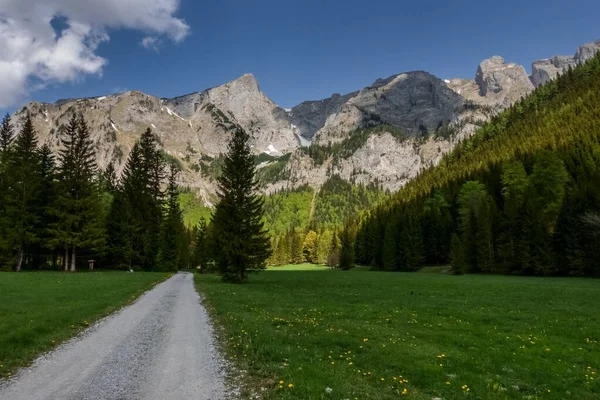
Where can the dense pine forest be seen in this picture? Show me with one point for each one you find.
(521, 196)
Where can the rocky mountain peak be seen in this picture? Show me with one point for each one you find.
(587, 51)
(245, 83)
(494, 75)
(547, 69)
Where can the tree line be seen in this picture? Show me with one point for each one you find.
(521, 196)
(59, 212)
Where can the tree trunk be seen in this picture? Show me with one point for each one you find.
(73, 260)
(66, 260)
(19, 260)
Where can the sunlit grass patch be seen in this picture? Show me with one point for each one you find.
(375, 335)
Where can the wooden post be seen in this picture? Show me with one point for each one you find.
(91, 265)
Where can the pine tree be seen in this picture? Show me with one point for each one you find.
(311, 247)
(347, 248)
(411, 245)
(125, 221)
(152, 196)
(6, 134)
(77, 209)
(201, 245)
(324, 246)
(549, 178)
(333, 259)
(46, 196)
(240, 239)
(457, 255)
(172, 230)
(6, 140)
(297, 246)
(109, 178)
(22, 207)
(391, 241)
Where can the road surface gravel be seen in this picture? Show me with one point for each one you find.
(160, 347)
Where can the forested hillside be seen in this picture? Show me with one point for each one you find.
(520, 196)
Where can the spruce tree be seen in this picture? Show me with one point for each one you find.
(109, 178)
(333, 259)
(152, 196)
(241, 241)
(311, 247)
(6, 134)
(46, 196)
(457, 255)
(6, 140)
(125, 221)
(297, 246)
(22, 204)
(77, 209)
(172, 230)
(411, 244)
(391, 241)
(347, 248)
(201, 245)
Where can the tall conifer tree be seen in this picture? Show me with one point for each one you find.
(241, 241)
(77, 208)
(172, 230)
(22, 202)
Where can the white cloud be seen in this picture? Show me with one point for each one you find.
(151, 43)
(32, 54)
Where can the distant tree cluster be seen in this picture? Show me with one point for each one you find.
(521, 196)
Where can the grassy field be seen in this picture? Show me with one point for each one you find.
(40, 310)
(374, 335)
(299, 267)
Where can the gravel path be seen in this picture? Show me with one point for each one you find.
(161, 347)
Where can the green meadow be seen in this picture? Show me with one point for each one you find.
(328, 334)
(39, 310)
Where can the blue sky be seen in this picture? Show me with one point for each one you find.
(305, 50)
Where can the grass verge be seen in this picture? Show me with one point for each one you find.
(376, 335)
(39, 310)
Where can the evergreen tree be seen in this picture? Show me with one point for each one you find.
(333, 259)
(109, 178)
(6, 134)
(325, 239)
(297, 246)
(391, 243)
(77, 208)
(171, 248)
(6, 140)
(240, 239)
(437, 229)
(125, 221)
(201, 245)
(311, 247)
(549, 178)
(515, 185)
(411, 245)
(457, 255)
(347, 248)
(475, 211)
(151, 197)
(46, 196)
(22, 204)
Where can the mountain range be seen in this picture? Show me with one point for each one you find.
(384, 133)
